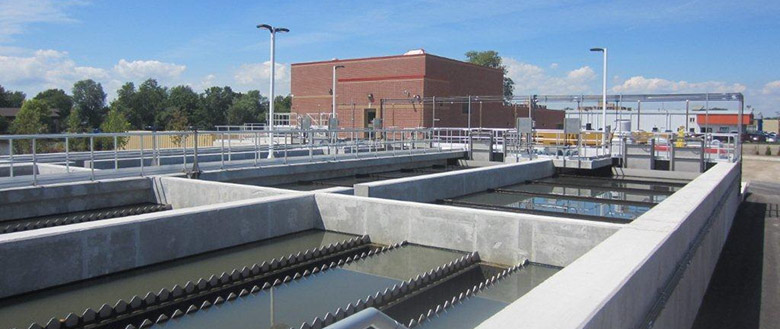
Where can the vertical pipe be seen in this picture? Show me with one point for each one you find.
(687, 106)
(638, 114)
(702, 164)
(433, 114)
(184, 151)
(652, 153)
(469, 116)
(222, 150)
(257, 151)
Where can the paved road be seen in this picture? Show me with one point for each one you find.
(745, 289)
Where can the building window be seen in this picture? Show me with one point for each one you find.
(723, 129)
(692, 120)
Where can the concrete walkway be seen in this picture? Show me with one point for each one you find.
(745, 289)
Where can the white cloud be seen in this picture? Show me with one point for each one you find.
(532, 79)
(772, 88)
(46, 69)
(554, 66)
(148, 69)
(15, 15)
(640, 84)
(256, 76)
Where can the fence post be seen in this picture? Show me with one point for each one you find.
(672, 154)
(625, 152)
(222, 150)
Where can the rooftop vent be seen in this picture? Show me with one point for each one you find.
(415, 52)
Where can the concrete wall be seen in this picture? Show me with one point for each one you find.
(58, 255)
(429, 188)
(616, 284)
(501, 237)
(36, 201)
(289, 173)
(184, 193)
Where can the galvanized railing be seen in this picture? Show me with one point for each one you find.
(26, 155)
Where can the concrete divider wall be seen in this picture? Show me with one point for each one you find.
(626, 273)
(57, 255)
(289, 173)
(500, 237)
(184, 193)
(432, 187)
(33, 201)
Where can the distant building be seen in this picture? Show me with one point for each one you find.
(363, 82)
(10, 113)
(660, 120)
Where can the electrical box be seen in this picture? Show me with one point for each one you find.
(377, 123)
(333, 124)
(525, 125)
(306, 123)
(572, 126)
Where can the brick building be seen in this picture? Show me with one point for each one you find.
(364, 82)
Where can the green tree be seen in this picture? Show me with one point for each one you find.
(59, 100)
(245, 108)
(11, 98)
(490, 58)
(151, 100)
(3, 125)
(75, 125)
(282, 104)
(214, 104)
(115, 123)
(177, 121)
(31, 120)
(126, 101)
(90, 100)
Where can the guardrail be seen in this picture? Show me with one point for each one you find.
(71, 153)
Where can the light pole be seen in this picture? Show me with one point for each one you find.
(603, 100)
(273, 31)
(335, 67)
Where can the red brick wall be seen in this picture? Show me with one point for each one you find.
(389, 77)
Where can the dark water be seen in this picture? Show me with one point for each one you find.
(595, 192)
(302, 300)
(21, 311)
(557, 205)
(472, 311)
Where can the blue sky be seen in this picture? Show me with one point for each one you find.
(655, 46)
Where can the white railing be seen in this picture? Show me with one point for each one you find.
(29, 156)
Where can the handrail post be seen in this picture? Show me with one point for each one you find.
(222, 150)
(92, 158)
(35, 164)
(257, 149)
(116, 160)
(67, 156)
(11, 153)
(142, 155)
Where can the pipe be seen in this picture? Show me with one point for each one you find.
(368, 318)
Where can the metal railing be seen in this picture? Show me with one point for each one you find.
(102, 153)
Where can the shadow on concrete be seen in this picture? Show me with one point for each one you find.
(742, 292)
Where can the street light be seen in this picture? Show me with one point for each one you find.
(603, 100)
(273, 31)
(335, 67)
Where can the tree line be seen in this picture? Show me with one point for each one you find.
(149, 106)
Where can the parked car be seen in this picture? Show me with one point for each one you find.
(756, 137)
